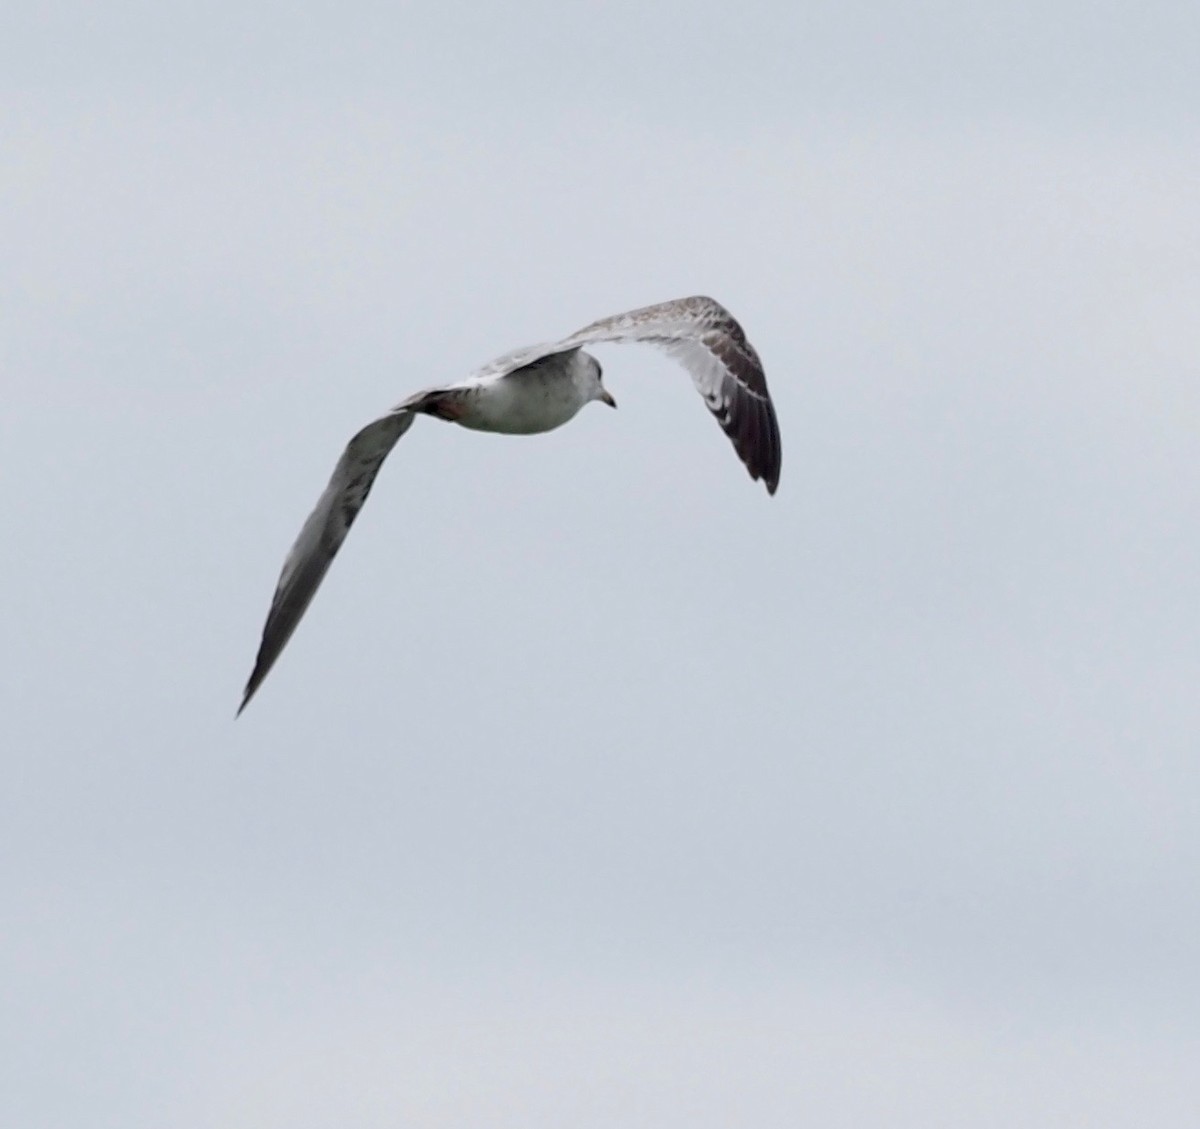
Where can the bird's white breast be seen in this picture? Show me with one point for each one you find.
(537, 398)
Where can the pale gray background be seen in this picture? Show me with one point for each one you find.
(599, 789)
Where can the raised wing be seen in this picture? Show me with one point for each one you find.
(322, 536)
(707, 340)
(516, 359)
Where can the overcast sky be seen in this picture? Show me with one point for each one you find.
(598, 788)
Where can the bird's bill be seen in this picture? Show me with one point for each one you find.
(606, 397)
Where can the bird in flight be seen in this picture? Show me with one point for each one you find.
(526, 392)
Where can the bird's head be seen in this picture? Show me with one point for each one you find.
(595, 386)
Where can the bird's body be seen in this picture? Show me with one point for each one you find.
(537, 397)
(526, 392)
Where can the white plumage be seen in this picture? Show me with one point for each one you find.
(525, 392)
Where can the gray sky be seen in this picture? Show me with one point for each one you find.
(597, 788)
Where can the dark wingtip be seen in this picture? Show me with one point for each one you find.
(247, 694)
(759, 445)
(771, 478)
(256, 680)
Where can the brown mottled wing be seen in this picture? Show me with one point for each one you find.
(706, 339)
(322, 536)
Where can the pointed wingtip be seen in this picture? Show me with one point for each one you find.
(251, 687)
(771, 479)
(767, 475)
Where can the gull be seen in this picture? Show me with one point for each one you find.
(525, 392)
